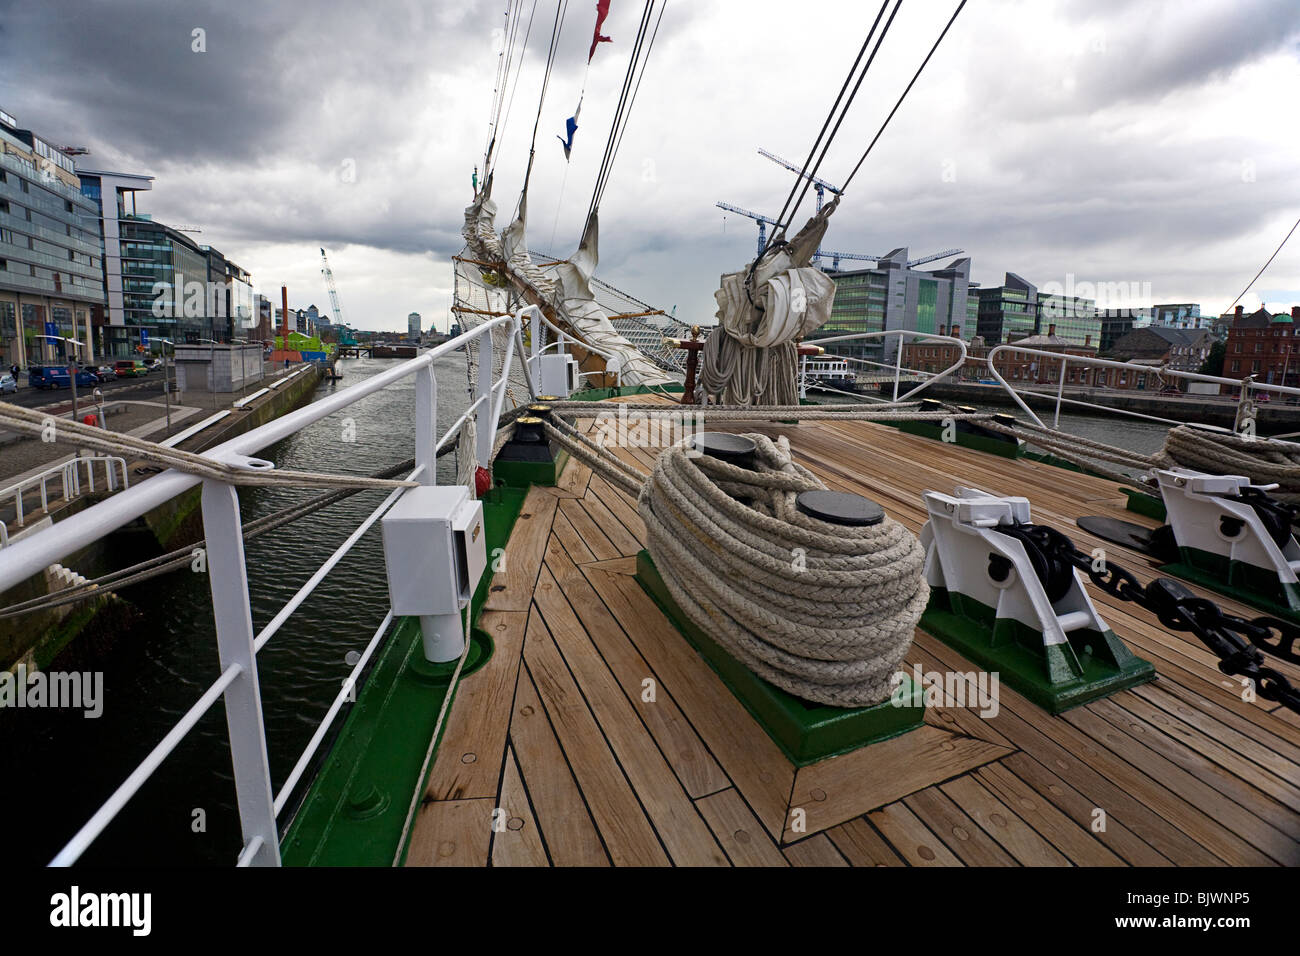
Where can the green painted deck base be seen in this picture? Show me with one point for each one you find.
(521, 474)
(1141, 503)
(355, 810)
(1003, 448)
(1258, 587)
(1055, 677)
(805, 732)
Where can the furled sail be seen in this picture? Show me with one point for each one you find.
(751, 358)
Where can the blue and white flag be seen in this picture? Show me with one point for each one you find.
(570, 127)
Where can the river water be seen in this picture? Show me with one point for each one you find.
(60, 766)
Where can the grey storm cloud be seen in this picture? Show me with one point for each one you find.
(1076, 130)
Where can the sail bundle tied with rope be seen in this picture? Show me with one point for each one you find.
(824, 611)
(763, 312)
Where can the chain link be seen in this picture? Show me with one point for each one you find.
(1236, 641)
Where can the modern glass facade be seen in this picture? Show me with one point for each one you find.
(51, 268)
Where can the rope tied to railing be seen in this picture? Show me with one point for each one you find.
(38, 424)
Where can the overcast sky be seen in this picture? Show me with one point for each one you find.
(1153, 144)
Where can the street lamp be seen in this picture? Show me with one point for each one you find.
(167, 392)
(72, 369)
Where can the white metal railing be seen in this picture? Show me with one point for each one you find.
(1160, 372)
(539, 334)
(237, 644)
(69, 475)
(902, 335)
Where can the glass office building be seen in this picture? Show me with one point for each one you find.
(51, 274)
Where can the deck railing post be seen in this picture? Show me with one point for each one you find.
(232, 613)
(485, 430)
(426, 425)
(1060, 389)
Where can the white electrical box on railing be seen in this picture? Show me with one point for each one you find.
(435, 549)
(554, 374)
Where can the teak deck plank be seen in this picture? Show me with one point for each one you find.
(566, 826)
(912, 839)
(841, 788)
(680, 827)
(451, 833)
(1058, 829)
(743, 749)
(681, 745)
(468, 763)
(624, 827)
(512, 588)
(742, 837)
(862, 845)
(1016, 836)
(963, 835)
(516, 840)
(1184, 770)
(817, 850)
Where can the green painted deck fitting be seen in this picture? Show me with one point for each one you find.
(805, 732)
(600, 394)
(1055, 677)
(521, 474)
(356, 807)
(1258, 587)
(993, 446)
(1141, 503)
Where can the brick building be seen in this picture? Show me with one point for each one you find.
(1181, 349)
(1264, 345)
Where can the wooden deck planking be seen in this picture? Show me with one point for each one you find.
(1184, 770)
(516, 840)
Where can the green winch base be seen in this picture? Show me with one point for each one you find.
(521, 474)
(963, 437)
(1055, 677)
(806, 732)
(355, 810)
(1258, 587)
(1147, 505)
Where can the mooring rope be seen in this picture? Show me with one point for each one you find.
(1262, 460)
(824, 611)
(42, 425)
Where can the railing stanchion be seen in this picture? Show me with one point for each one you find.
(232, 613)
(898, 363)
(426, 424)
(485, 432)
(1060, 389)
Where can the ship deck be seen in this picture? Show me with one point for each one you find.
(555, 730)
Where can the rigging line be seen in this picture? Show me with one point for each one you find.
(831, 113)
(622, 98)
(1265, 266)
(496, 87)
(560, 9)
(645, 60)
(622, 102)
(807, 183)
(917, 76)
(643, 57)
(519, 70)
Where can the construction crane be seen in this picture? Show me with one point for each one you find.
(820, 185)
(328, 273)
(763, 222)
(938, 255)
(837, 256)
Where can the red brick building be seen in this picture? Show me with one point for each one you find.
(1264, 345)
(1013, 365)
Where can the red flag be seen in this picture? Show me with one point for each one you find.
(602, 11)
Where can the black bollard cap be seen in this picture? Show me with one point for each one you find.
(839, 507)
(529, 429)
(733, 449)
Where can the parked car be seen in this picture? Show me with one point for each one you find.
(105, 373)
(56, 376)
(1262, 397)
(129, 368)
(8, 384)
(154, 364)
(1171, 389)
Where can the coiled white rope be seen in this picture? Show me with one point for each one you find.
(824, 611)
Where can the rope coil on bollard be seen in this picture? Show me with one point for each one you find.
(824, 611)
